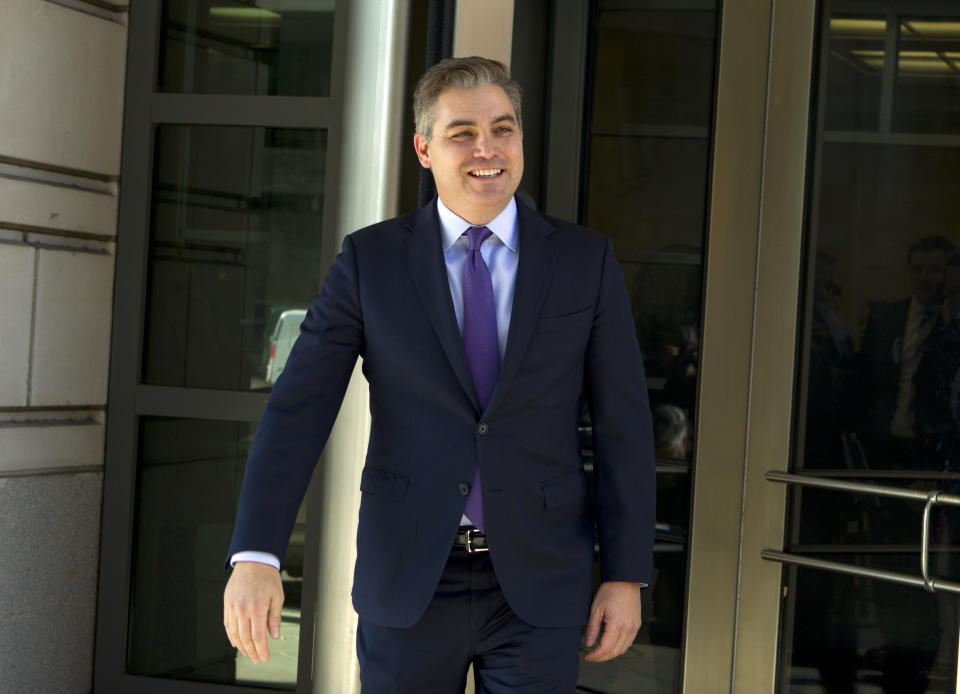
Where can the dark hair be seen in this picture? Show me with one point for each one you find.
(459, 73)
(930, 243)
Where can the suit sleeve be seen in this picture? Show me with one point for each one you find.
(300, 412)
(624, 464)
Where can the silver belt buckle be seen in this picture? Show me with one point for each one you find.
(469, 545)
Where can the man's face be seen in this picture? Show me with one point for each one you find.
(926, 275)
(475, 151)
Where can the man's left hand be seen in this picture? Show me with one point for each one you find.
(617, 607)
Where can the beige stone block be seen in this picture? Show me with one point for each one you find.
(16, 288)
(56, 207)
(54, 445)
(61, 77)
(71, 343)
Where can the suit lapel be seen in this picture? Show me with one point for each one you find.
(429, 272)
(538, 255)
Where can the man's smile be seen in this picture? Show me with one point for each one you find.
(486, 173)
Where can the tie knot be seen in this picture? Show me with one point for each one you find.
(477, 236)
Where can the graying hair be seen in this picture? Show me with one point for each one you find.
(459, 73)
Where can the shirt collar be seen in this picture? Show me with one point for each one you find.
(503, 226)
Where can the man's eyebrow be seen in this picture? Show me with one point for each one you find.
(458, 123)
(465, 121)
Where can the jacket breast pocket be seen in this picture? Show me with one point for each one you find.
(571, 486)
(567, 321)
(383, 482)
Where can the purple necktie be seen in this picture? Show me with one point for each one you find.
(481, 343)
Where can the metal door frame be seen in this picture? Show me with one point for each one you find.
(748, 342)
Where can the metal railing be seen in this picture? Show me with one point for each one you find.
(930, 499)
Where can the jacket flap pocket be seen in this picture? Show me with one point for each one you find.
(570, 486)
(383, 482)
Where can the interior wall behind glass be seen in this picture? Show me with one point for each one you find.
(235, 253)
(247, 47)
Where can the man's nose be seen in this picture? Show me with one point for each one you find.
(484, 146)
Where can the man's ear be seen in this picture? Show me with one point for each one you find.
(422, 146)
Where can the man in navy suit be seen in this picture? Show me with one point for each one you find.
(890, 351)
(482, 326)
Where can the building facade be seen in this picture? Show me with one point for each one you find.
(778, 179)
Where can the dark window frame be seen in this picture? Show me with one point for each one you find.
(145, 108)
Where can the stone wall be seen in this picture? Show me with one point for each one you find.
(61, 111)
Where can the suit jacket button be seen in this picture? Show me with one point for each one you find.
(463, 488)
(483, 428)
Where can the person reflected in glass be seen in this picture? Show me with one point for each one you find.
(829, 374)
(938, 426)
(826, 634)
(680, 388)
(893, 343)
(671, 432)
(890, 353)
(938, 379)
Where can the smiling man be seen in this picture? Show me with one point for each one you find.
(482, 326)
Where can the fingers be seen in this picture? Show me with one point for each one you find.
(593, 625)
(617, 607)
(246, 630)
(274, 618)
(254, 595)
(614, 642)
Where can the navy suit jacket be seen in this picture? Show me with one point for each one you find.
(571, 334)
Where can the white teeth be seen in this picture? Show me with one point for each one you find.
(485, 172)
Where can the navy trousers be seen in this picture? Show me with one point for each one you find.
(468, 621)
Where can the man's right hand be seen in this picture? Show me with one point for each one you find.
(252, 602)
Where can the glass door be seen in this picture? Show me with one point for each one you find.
(630, 127)
(878, 371)
(645, 176)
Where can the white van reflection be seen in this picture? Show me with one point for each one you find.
(281, 342)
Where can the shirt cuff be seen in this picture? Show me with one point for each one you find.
(259, 557)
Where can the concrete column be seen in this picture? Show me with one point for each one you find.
(484, 28)
(369, 185)
(61, 76)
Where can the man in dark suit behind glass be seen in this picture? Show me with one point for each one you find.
(476, 534)
(891, 351)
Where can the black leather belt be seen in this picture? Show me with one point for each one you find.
(471, 539)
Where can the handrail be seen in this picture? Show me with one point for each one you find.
(854, 570)
(861, 487)
(930, 499)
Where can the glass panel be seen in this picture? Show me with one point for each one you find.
(881, 363)
(646, 183)
(252, 47)
(855, 72)
(235, 249)
(927, 96)
(189, 482)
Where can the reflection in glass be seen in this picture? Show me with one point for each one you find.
(855, 74)
(235, 249)
(881, 360)
(647, 172)
(927, 95)
(263, 47)
(190, 472)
